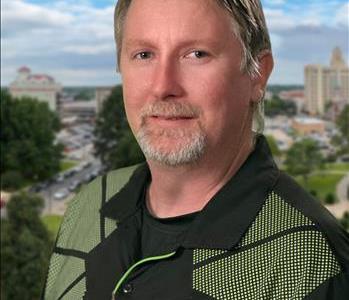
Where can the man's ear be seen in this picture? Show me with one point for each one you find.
(259, 81)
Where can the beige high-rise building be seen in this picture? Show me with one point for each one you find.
(38, 86)
(326, 84)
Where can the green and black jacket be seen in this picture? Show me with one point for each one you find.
(260, 237)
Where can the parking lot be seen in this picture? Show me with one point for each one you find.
(78, 146)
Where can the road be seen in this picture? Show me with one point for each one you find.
(58, 206)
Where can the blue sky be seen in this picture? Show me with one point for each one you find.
(72, 40)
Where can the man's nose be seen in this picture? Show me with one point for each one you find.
(167, 81)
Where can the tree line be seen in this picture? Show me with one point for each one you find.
(26, 247)
(28, 154)
(27, 140)
(115, 144)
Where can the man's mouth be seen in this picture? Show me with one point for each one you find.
(172, 118)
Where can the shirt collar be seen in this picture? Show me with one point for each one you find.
(124, 203)
(227, 216)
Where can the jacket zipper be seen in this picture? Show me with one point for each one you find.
(142, 261)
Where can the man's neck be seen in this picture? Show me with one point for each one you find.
(181, 190)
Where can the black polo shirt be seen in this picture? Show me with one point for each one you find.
(260, 237)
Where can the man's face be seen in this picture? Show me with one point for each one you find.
(185, 96)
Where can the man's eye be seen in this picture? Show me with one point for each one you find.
(143, 55)
(197, 54)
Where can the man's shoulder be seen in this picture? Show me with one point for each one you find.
(297, 238)
(289, 191)
(291, 216)
(81, 222)
(92, 196)
(295, 212)
(114, 180)
(123, 173)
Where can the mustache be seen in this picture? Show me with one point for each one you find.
(170, 109)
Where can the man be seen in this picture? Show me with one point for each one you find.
(209, 216)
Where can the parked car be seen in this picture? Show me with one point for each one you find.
(59, 178)
(74, 185)
(39, 186)
(35, 188)
(61, 194)
(70, 173)
(78, 168)
(94, 173)
(88, 177)
(86, 164)
(345, 158)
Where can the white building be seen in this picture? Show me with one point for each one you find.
(325, 84)
(39, 86)
(308, 126)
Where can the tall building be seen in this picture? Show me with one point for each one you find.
(326, 84)
(39, 86)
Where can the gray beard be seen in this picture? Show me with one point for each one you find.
(188, 146)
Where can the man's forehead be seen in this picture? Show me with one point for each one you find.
(151, 7)
(194, 20)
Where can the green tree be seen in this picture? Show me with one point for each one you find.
(25, 249)
(11, 180)
(330, 198)
(115, 143)
(303, 158)
(27, 138)
(84, 94)
(342, 140)
(276, 106)
(328, 105)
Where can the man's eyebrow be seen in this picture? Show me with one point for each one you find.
(138, 43)
(130, 43)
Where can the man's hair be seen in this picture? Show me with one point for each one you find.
(248, 25)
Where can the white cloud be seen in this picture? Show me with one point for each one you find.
(278, 20)
(74, 34)
(310, 13)
(342, 15)
(18, 16)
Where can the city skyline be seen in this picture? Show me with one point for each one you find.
(58, 38)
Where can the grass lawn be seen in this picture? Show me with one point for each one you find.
(67, 164)
(325, 180)
(52, 223)
(344, 167)
(323, 184)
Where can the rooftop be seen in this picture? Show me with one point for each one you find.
(24, 69)
(308, 120)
